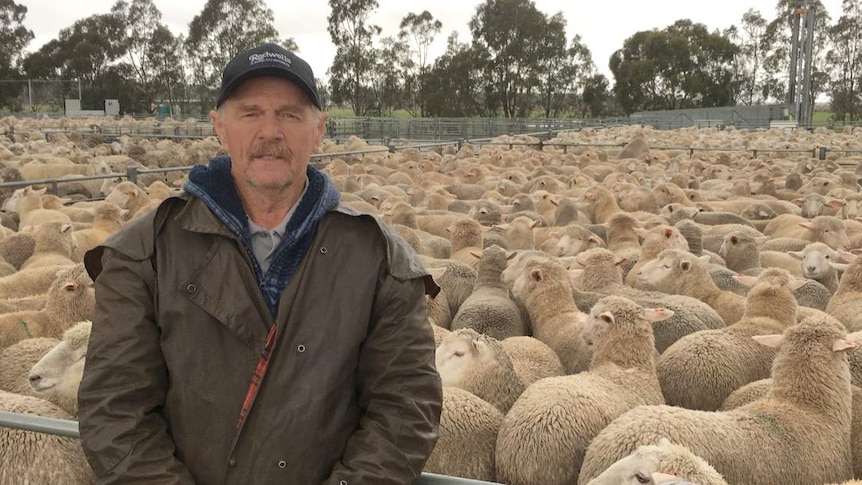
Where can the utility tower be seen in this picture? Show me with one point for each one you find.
(801, 62)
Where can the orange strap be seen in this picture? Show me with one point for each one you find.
(259, 372)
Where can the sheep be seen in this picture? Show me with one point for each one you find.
(783, 244)
(532, 359)
(57, 375)
(76, 214)
(655, 241)
(844, 304)
(566, 211)
(70, 299)
(31, 212)
(741, 252)
(15, 249)
(600, 204)
(489, 309)
(519, 233)
(575, 239)
(479, 364)
(467, 437)
(17, 360)
(544, 436)
(677, 272)
(457, 282)
(31, 282)
(544, 289)
(799, 434)
(819, 263)
(107, 220)
(127, 195)
(701, 369)
(466, 238)
(55, 244)
(32, 457)
(826, 229)
(663, 458)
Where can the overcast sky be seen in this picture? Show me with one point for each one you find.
(602, 24)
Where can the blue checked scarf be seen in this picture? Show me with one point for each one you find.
(214, 185)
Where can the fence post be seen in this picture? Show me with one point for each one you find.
(132, 174)
(754, 152)
(822, 153)
(690, 152)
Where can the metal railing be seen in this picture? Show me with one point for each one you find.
(69, 429)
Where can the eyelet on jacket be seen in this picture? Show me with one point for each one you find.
(300, 348)
(191, 288)
(343, 482)
(323, 250)
(282, 464)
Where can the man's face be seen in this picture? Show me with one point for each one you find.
(269, 128)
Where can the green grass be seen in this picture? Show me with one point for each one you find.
(821, 116)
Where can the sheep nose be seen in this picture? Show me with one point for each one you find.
(35, 378)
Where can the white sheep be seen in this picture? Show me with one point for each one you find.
(544, 436)
(532, 359)
(55, 244)
(479, 364)
(668, 460)
(57, 376)
(820, 263)
(759, 444)
(846, 302)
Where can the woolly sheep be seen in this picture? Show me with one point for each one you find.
(655, 241)
(678, 272)
(107, 220)
(481, 365)
(457, 282)
(846, 302)
(544, 289)
(55, 244)
(466, 238)
(467, 437)
(575, 239)
(701, 369)
(70, 300)
(544, 436)
(663, 458)
(826, 229)
(489, 310)
(17, 360)
(758, 444)
(820, 263)
(532, 360)
(32, 457)
(29, 282)
(31, 212)
(57, 375)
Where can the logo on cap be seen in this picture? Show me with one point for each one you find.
(268, 56)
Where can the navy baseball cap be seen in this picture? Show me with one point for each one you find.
(268, 60)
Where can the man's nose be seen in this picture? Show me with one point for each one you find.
(270, 127)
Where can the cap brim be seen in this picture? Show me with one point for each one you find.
(268, 71)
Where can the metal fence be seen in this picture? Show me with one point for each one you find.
(69, 429)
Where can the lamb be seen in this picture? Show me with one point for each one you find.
(31, 282)
(31, 212)
(57, 376)
(826, 229)
(466, 238)
(758, 444)
(600, 204)
(741, 252)
(544, 289)
(844, 304)
(820, 263)
(55, 244)
(575, 239)
(655, 241)
(481, 365)
(664, 458)
(701, 369)
(467, 437)
(532, 359)
(128, 196)
(544, 436)
(17, 360)
(31, 457)
(457, 282)
(489, 309)
(107, 220)
(70, 300)
(681, 273)
(519, 233)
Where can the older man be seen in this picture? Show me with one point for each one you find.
(250, 329)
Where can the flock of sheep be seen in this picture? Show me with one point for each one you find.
(621, 310)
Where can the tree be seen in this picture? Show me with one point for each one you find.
(392, 63)
(510, 33)
(14, 37)
(681, 66)
(355, 54)
(164, 56)
(142, 20)
(223, 29)
(419, 31)
(750, 39)
(596, 95)
(845, 58)
(452, 86)
(560, 70)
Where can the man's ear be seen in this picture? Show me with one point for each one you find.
(215, 118)
(321, 125)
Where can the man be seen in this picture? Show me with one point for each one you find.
(251, 330)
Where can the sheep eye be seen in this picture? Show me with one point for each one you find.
(458, 354)
(641, 478)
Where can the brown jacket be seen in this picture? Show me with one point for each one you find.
(351, 394)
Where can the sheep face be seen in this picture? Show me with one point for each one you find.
(635, 469)
(658, 270)
(458, 353)
(59, 372)
(816, 264)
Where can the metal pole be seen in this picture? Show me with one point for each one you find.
(805, 117)
(794, 56)
(79, 89)
(30, 93)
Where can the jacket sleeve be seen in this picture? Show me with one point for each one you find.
(399, 391)
(124, 435)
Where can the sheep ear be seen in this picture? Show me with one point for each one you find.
(555, 234)
(704, 258)
(511, 255)
(504, 227)
(449, 229)
(436, 273)
(607, 317)
(668, 233)
(763, 214)
(642, 233)
(476, 254)
(536, 274)
(847, 256)
(42, 190)
(65, 228)
(620, 260)
(70, 286)
(685, 265)
(575, 274)
(734, 240)
(836, 203)
(656, 314)
(839, 266)
(477, 346)
(797, 283)
(535, 224)
(806, 225)
(590, 196)
(664, 442)
(594, 239)
(795, 254)
(773, 340)
(761, 239)
(842, 345)
(746, 280)
(554, 202)
(658, 478)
